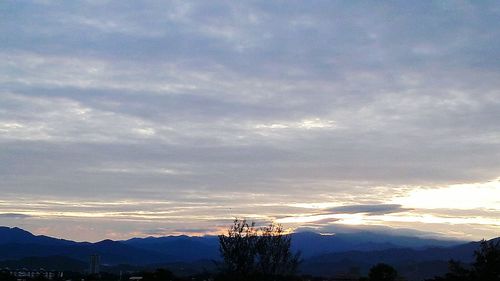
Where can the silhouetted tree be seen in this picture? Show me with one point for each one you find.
(485, 268)
(382, 272)
(251, 253)
(238, 248)
(274, 255)
(487, 264)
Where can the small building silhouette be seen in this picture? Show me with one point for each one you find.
(95, 263)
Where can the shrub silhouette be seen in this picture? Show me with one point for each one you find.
(251, 253)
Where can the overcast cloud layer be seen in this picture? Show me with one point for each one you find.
(125, 118)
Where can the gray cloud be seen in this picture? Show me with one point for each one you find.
(187, 231)
(192, 101)
(14, 216)
(375, 209)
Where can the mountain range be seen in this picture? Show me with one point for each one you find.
(325, 255)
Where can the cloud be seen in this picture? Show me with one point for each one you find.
(196, 102)
(14, 216)
(376, 209)
(180, 231)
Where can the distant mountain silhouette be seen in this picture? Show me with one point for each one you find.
(416, 258)
(414, 264)
(16, 243)
(186, 248)
(313, 244)
(183, 248)
(20, 236)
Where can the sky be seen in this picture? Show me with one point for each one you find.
(138, 118)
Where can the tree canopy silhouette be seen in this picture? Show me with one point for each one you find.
(249, 252)
(487, 265)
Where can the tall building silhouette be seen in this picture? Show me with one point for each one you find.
(95, 262)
